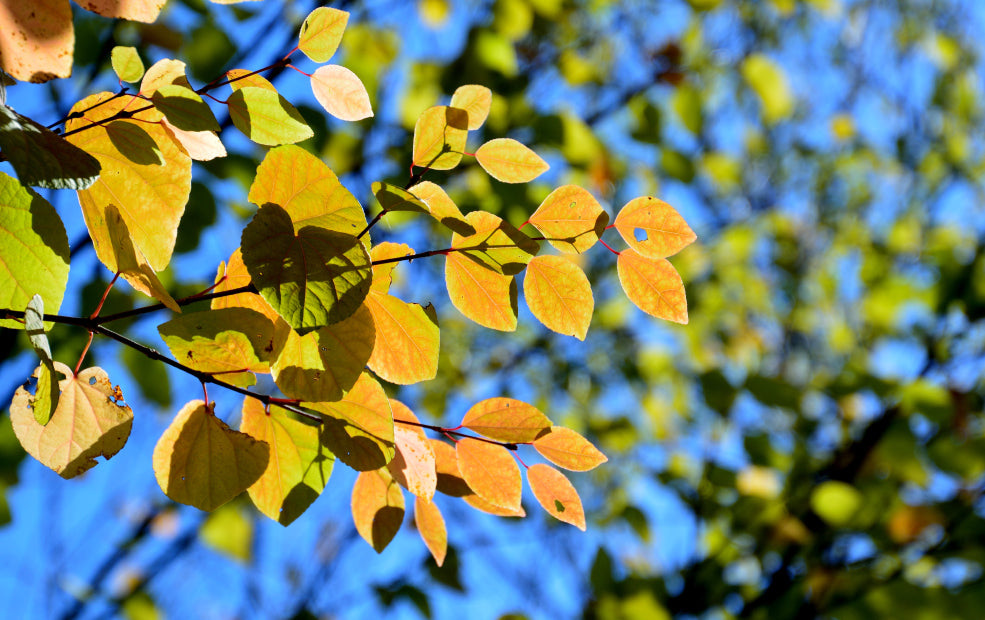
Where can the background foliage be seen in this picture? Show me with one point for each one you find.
(811, 444)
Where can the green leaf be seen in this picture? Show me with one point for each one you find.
(496, 244)
(33, 250)
(393, 198)
(322, 32)
(184, 108)
(769, 81)
(312, 278)
(46, 395)
(266, 117)
(127, 63)
(41, 157)
(509, 161)
(439, 137)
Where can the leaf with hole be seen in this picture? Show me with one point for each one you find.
(653, 228)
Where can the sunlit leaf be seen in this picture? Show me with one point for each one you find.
(393, 198)
(383, 274)
(322, 32)
(653, 228)
(359, 428)
(377, 507)
(653, 285)
(163, 72)
(33, 250)
(308, 190)
(200, 145)
(146, 176)
(496, 243)
(508, 161)
(299, 466)
(836, 502)
(231, 343)
(556, 494)
(413, 464)
(490, 471)
(341, 93)
(266, 117)
(37, 40)
(571, 219)
(439, 137)
(431, 526)
(127, 63)
(202, 462)
(486, 297)
(324, 364)
(474, 99)
(506, 419)
(483, 505)
(566, 448)
(312, 277)
(449, 478)
(184, 108)
(442, 208)
(241, 78)
(234, 275)
(559, 295)
(407, 340)
(134, 10)
(47, 393)
(769, 81)
(88, 423)
(41, 157)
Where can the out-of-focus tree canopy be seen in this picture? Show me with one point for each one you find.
(811, 444)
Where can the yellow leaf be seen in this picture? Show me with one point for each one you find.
(322, 32)
(127, 63)
(566, 448)
(359, 428)
(134, 10)
(233, 276)
(571, 219)
(653, 228)
(377, 507)
(407, 340)
(393, 198)
(413, 465)
(506, 419)
(87, 423)
(228, 530)
(653, 285)
(239, 78)
(308, 190)
(442, 208)
(509, 161)
(161, 73)
(322, 365)
(486, 297)
(202, 462)
(449, 479)
(200, 145)
(146, 176)
(439, 137)
(769, 81)
(267, 118)
(474, 99)
(431, 526)
(341, 93)
(36, 39)
(495, 243)
(490, 471)
(559, 295)
(382, 274)
(556, 494)
(299, 465)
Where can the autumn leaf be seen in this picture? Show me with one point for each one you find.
(474, 99)
(442, 208)
(486, 297)
(571, 219)
(37, 44)
(87, 423)
(407, 340)
(322, 32)
(509, 161)
(506, 419)
(267, 118)
(496, 244)
(490, 471)
(556, 494)
(202, 462)
(42, 158)
(566, 448)
(161, 73)
(383, 274)
(377, 507)
(341, 93)
(439, 137)
(359, 428)
(241, 78)
(200, 145)
(393, 198)
(47, 393)
(431, 527)
(299, 466)
(127, 63)
(233, 275)
(449, 478)
(653, 228)
(559, 295)
(653, 285)
(184, 108)
(413, 465)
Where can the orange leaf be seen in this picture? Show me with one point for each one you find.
(486, 297)
(442, 208)
(407, 340)
(322, 32)
(450, 481)
(571, 219)
(234, 275)
(134, 10)
(566, 448)
(662, 230)
(496, 243)
(382, 274)
(36, 39)
(87, 423)
(431, 526)
(200, 145)
(559, 295)
(413, 465)
(377, 507)
(474, 99)
(341, 93)
(556, 494)
(359, 428)
(653, 285)
(477, 502)
(439, 137)
(506, 419)
(509, 161)
(490, 471)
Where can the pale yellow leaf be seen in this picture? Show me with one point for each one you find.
(341, 93)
